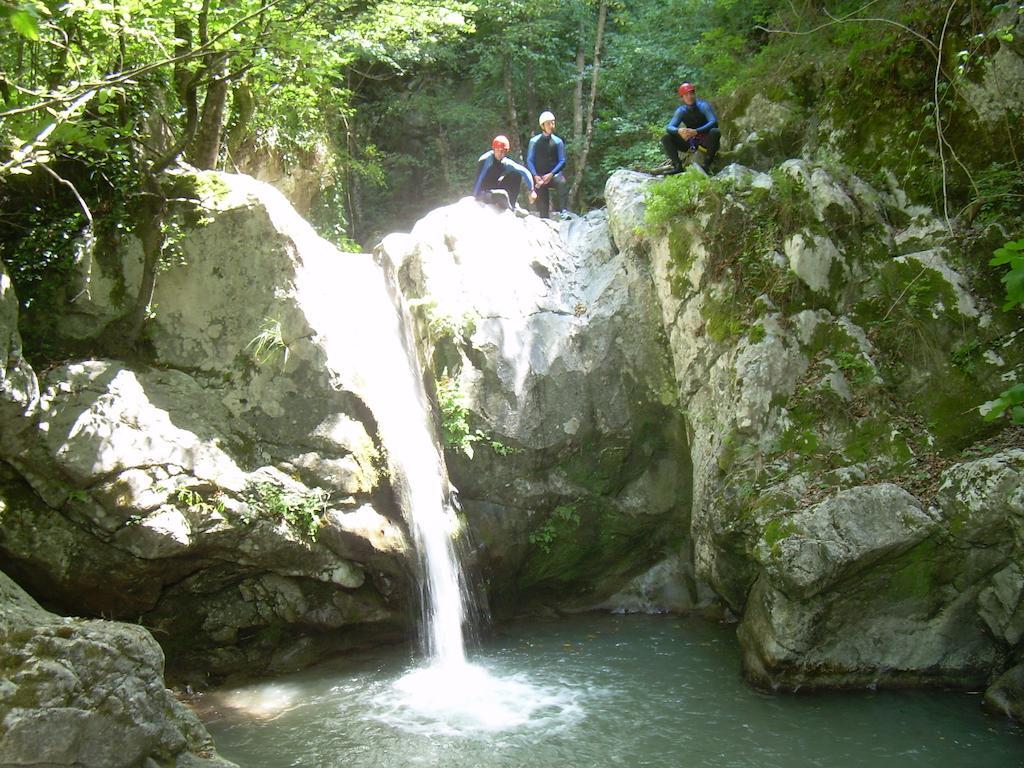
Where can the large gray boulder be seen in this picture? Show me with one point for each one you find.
(88, 693)
(867, 588)
(564, 442)
(233, 493)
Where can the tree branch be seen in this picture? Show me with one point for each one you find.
(850, 18)
(126, 77)
(89, 236)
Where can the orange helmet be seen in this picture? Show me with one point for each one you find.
(500, 142)
(687, 88)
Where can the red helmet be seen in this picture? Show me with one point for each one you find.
(687, 88)
(500, 142)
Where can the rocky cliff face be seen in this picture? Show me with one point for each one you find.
(846, 504)
(565, 442)
(232, 491)
(767, 403)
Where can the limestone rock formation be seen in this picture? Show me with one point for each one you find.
(88, 693)
(564, 442)
(233, 492)
(766, 398)
(831, 365)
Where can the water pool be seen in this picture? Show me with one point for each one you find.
(594, 690)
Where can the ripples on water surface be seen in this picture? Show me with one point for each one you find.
(585, 692)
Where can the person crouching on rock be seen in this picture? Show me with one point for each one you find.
(498, 177)
(693, 128)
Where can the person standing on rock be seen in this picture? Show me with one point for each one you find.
(545, 158)
(499, 177)
(693, 128)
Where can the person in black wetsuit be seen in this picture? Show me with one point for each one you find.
(498, 177)
(693, 128)
(546, 158)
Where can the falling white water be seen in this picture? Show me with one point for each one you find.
(357, 319)
(370, 330)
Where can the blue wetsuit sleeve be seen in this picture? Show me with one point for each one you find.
(481, 170)
(675, 122)
(561, 157)
(530, 162)
(521, 171)
(709, 113)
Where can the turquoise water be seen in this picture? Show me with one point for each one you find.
(594, 690)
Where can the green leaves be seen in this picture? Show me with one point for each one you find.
(24, 18)
(675, 196)
(1012, 255)
(1012, 401)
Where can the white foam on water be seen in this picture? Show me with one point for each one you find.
(467, 700)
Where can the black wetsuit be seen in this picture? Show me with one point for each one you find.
(493, 175)
(545, 155)
(700, 117)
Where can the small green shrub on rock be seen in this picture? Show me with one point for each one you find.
(674, 196)
(302, 511)
(564, 517)
(1012, 400)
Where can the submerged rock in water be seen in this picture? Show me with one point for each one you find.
(77, 692)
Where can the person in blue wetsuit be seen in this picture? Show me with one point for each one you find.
(498, 177)
(546, 158)
(693, 128)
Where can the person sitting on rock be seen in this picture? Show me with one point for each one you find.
(693, 128)
(546, 158)
(498, 177)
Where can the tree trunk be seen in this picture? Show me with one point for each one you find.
(243, 107)
(206, 150)
(353, 192)
(182, 77)
(577, 93)
(510, 99)
(532, 107)
(581, 166)
(443, 161)
(122, 334)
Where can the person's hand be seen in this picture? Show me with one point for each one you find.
(547, 177)
(533, 196)
(538, 180)
(687, 133)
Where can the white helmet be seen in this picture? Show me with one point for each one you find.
(546, 117)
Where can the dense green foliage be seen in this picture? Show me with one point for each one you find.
(1012, 256)
(391, 102)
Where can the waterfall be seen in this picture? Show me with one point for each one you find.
(355, 307)
(406, 429)
(392, 386)
(358, 318)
